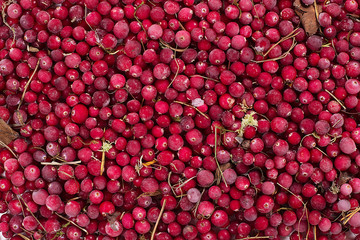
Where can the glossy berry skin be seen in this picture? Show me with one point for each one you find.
(79, 113)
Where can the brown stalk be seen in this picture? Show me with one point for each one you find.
(28, 84)
(217, 162)
(332, 95)
(60, 164)
(102, 167)
(137, 19)
(22, 236)
(188, 105)
(258, 237)
(8, 148)
(177, 70)
(322, 151)
(98, 42)
(198, 203)
(64, 218)
(172, 188)
(290, 35)
(158, 220)
(106, 146)
(350, 215)
(304, 204)
(215, 80)
(32, 49)
(316, 11)
(280, 57)
(22, 209)
(3, 14)
(182, 27)
(166, 45)
(182, 184)
(151, 194)
(32, 214)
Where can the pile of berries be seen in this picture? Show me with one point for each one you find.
(180, 119)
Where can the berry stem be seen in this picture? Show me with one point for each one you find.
(22, 236)
(8, 148)
(256, 237)
(188, 105)
(350, 215)
(177, 70)
(172, 188)
(137, 19)
(182, 184)
(28, 84)
(32, 214)
(198, 203)
(3, 14)
(342, 105)
(217, 162)
(166, 45)
(281, 56)
(158, 220)
(290, 35)
(82, 229)
(60, 164)
(205, 78)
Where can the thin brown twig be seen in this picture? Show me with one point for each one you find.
(182, 26)
(291, 193)
(158, 220)
(8, 148)
(198, 203)
(166, 45)
(258, 237)
(308, 223)
(322, 151)
(172, 188)
(106, 146)
(217, 162)
(60, 164)
(22, 209)
(27, 231)
(22, 236)
(316, 11)
(64, 218)
(350, 215)
(342, 105)
(356, 113)
(354, 17)
(98, 40)
(212, 79)
(290, 35)
(280, 57)
(28, 83)
(102, 166)
(137, 19)
(182, 184)
(177, 70)
(3, 14)
(188, 105)
(32, 214)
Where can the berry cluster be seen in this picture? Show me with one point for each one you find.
(180, 119)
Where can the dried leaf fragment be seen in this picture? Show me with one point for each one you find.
(7, 134)
(308, 16)
(222, 168)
